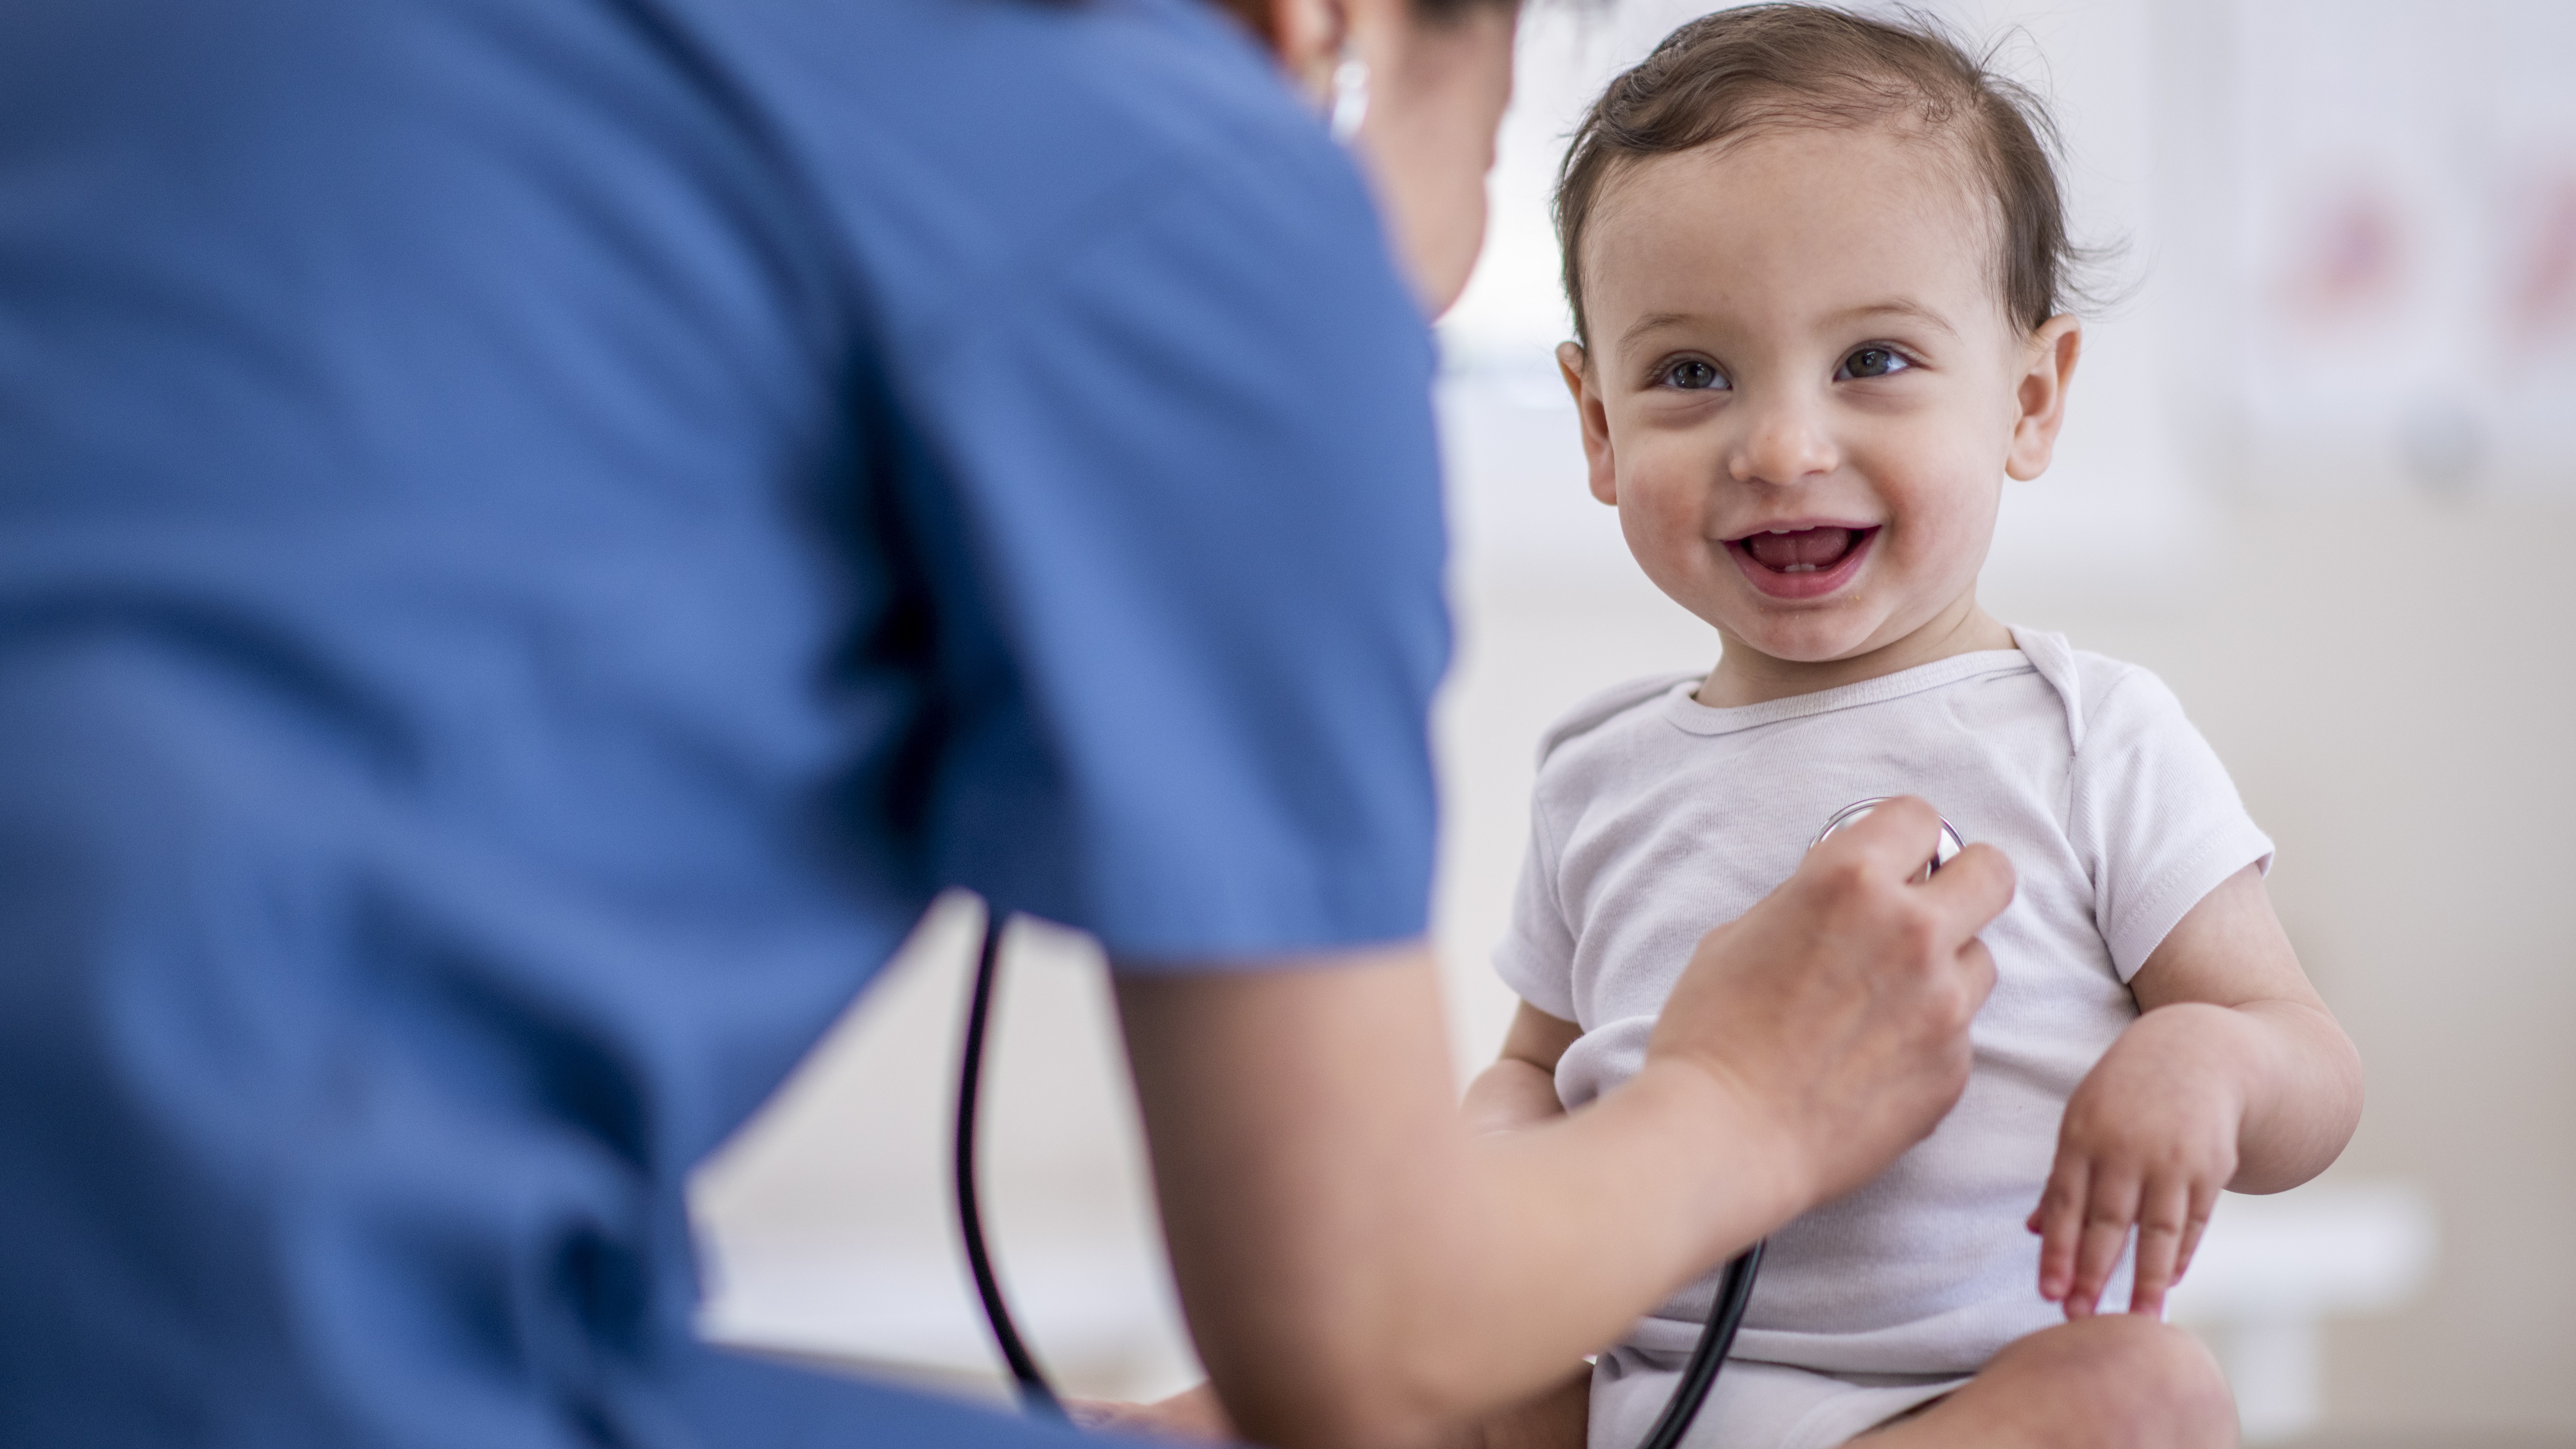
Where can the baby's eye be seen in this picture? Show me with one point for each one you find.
(1691, 374)
(1871, 362)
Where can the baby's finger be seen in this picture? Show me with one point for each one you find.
(2204, 1201)
(2164, 1213)
(2111, 1206)
(2059, 1221)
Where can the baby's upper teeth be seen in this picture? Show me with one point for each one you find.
(1784, 530)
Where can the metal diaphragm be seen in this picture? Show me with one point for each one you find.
(1850, 815)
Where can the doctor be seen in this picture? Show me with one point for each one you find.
(535, 536)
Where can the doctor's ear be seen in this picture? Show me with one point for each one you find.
(1310, 37)
(1571, 361)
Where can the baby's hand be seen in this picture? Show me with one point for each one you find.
(2148, 1141)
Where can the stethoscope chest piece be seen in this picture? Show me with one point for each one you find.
(1850, 815)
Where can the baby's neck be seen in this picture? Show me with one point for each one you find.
(1745, 675)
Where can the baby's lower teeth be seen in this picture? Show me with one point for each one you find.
(1799, 569)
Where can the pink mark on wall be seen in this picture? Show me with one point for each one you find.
(2347, 256)
(2540, 297)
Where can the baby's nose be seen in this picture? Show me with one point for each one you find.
(1784, 443)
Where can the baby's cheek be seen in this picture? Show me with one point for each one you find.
(1943, 531)
(1665, 516)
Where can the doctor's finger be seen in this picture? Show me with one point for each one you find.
(1894, 839)
(1976, 965)
(1972, 889)
(1895, 843)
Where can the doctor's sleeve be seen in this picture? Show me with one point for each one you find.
(1187, 493)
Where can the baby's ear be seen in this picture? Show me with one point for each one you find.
(1596, 423)
(2049, 371)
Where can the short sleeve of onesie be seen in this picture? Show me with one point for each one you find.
(2150, 810)
(1536, 957)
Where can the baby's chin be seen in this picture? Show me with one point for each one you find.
(1815, 636)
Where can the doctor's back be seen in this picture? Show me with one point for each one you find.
(533, 538)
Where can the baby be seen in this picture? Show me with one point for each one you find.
(1816, 264)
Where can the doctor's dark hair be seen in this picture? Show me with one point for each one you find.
(1761, 68)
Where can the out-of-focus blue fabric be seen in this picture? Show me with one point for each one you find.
(533, 538)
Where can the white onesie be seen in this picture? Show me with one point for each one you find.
(1657, 818)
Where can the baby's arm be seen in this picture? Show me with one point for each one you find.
(1519, 1089)
(2236, 1076)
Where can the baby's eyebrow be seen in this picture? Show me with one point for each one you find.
(1651, 322)
(1895, 307)
(1905, 307)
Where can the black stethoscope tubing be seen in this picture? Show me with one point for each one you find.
(1035, 1395)
(1734, 1291)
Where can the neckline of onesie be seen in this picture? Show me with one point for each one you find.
(1699, 719)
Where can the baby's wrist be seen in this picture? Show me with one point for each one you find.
(2190, 1051)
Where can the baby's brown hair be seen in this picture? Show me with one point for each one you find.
(1761, 67)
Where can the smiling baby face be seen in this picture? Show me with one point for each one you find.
(1804, 392)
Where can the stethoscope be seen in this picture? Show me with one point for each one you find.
(1699, 1375)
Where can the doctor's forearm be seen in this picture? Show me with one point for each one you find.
(1359, 1269)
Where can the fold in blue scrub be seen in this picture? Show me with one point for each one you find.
(534, 536)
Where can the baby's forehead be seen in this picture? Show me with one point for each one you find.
(1807, 200)
(1923, 180)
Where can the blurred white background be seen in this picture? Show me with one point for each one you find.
(2320, 472)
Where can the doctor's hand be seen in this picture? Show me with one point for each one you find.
(1836, 1010)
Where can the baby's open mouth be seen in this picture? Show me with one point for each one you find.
(1803, 550)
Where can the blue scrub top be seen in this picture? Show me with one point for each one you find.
(534, 536)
